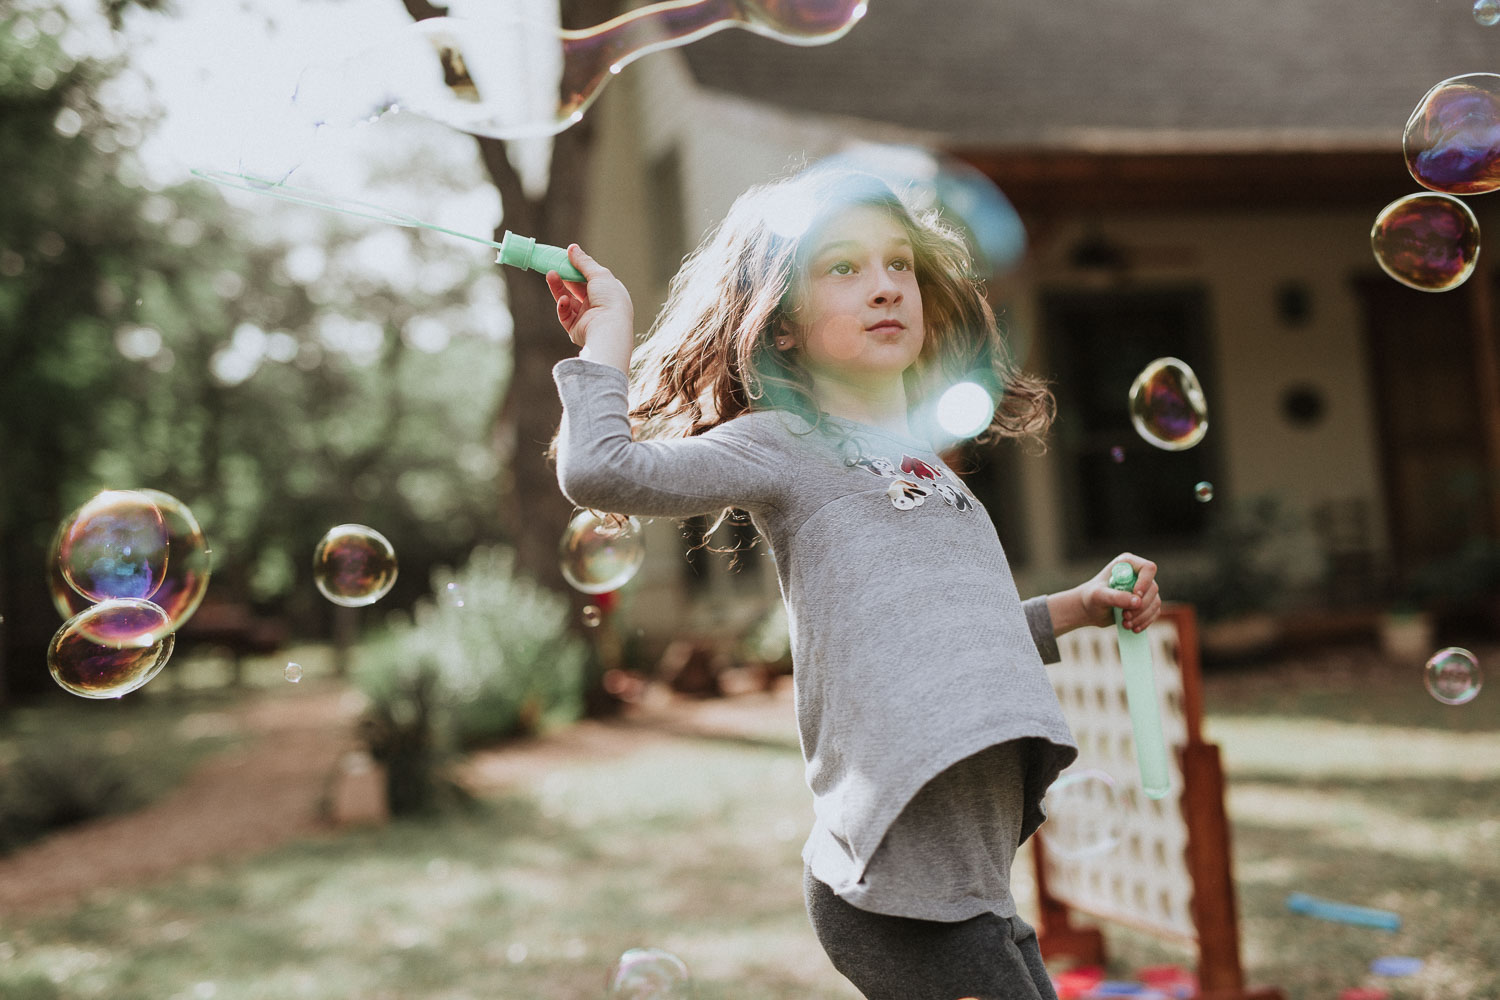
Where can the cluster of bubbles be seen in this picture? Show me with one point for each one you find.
(1452, 676)
(126, 570)
(1451, 143)
(1085, 815)
(648, 974)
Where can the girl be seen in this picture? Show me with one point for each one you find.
(792, 374)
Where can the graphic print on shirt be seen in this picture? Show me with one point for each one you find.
(915, 481)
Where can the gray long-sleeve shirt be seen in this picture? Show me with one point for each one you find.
(912, 651)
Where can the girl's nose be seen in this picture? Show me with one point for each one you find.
(886, 291)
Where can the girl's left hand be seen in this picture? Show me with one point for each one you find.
(1140, 606)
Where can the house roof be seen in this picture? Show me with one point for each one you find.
(1123, 75)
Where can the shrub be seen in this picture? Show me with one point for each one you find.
(487, 657)
(60, 784)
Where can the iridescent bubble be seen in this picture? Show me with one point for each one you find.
(509, 73)
(293, 672)
(115, 545)
(1117, 454)
(1203, 492)
(1085, 815)
(354, 565)
(648, 974)
(138, 646)
(600, 552)
(189, 560)
(1167, 405)
(965, 197)
(1452, 676)
(1487, 12)
(965, 409)
(1452, 139)
(1429, 242)
(591, 615)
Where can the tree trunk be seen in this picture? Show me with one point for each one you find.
(530, 503)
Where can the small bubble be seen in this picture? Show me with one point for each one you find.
(294, 672)
(516, 953)
(1452, 676)
(1117, 454)
(1487, 12)
(1203, 492)
(453, 595)
(591, 616)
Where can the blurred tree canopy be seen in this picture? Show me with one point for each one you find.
(155, 338)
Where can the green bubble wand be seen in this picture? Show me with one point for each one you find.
(514, 250)
(1140, 694)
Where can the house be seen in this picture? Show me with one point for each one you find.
(1197, 179)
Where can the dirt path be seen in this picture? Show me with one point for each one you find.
(263, 793)
(275, 788)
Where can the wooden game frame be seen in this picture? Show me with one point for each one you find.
(1207, 853)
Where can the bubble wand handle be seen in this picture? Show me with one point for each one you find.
(1140, 694)
(525, 252)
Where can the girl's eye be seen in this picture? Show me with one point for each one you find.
(902, 264)
(842, 267)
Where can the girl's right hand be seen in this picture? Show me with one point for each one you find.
(597, 312)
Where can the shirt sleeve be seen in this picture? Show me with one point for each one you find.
(600, 466)
(1039, 619)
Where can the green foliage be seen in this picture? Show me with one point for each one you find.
(60, 784)
(487, 657)
(1253, 549)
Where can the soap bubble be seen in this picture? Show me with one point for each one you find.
(139, 644)
(1084, 815)
(1203, 492)
(600, 552)
(354, 565)
(115, 545)
(1429, 242)
(1452, 676)
(510, 73)
(592, 616)
(293, 672)
(1487, 12)
(189, 560)
(1167, 405)
(966, 198)
(649, 974)
(453, 595)
(965, 409)
(1452, 139)
(1117, 454)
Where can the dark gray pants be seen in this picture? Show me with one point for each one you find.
(897, 958)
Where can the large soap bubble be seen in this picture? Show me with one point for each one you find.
(1085, 815)
(1429, 242)
(115, 545)
(1452, 139)
(966, 198)
(510, 73)
(1167, 405)
(600, 552)
(354, 565)
(110, 648)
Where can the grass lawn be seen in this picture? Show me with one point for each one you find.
(1347, 781)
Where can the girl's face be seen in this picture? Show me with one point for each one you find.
(857, 311)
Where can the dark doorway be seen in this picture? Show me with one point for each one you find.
(1427, 405)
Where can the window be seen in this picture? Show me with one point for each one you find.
(992, 473)
(1119, 491)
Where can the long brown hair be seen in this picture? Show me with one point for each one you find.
(711, 356)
